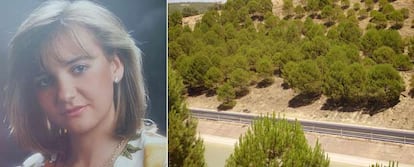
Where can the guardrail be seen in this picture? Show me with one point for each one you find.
(344, 130)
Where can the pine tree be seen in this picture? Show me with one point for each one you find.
(184, 148)
(384, 84)
(287, 8)
(383, 55)
(304, 77)
(226, 94)
(276, 142)
(370, 41)
(175, 19)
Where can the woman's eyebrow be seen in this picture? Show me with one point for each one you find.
(76, 59)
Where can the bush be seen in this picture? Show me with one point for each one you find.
(387, 10)
(382, 3)
(369, 4)
(355, 80)
(402, 62)
(363, 14)
(398, 18)
(345, 4)
(174, 19)
(383, 55)
(357, 6)
(405, 12)
(226, 94)
(273, 142)
(189, 11)
(213, 78)
(334, 86)
(392, 39)
(264, 67)
(349, 32)
(239, 79)
(379, 19)
(384, 84)
(370, 41)
(300, 12)
(304, 77)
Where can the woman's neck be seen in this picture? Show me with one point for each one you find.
(95, 147)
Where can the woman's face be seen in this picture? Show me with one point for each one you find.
(76, 89)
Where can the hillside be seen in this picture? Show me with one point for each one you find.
(398, 4)
(276, 98)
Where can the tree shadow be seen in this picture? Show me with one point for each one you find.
(344, 7)
(303, 100)
(334, 105)
(285, 85)
(210, 93)
(396, 26)
(329, 23)
(287, 17)
(196, 91)
(265, 83)
(277, 72)
(370, 107)
(226, 106)
(299, 16)
(411, 93)
(314, 16)
(242, 92)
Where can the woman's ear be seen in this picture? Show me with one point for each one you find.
(117, 68)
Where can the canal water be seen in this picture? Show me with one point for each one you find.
(216, 154)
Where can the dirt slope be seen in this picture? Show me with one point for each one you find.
(276, 99)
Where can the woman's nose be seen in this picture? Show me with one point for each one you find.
(66, 91)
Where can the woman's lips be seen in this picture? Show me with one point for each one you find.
(75, 111)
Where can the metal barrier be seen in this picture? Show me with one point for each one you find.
(343, 130)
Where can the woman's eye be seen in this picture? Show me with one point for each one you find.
(78, 69)
(43, 82)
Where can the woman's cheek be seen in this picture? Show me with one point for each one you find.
(45, 101)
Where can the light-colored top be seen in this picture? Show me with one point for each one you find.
(152, 152)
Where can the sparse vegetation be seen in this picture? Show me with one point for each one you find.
(357, 6)
(227, 52)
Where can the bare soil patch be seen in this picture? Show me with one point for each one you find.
(275, 99)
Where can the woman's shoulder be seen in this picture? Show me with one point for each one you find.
(155, 147)
(149, 134)
(146, 148)
(35, 160)
(38, 160)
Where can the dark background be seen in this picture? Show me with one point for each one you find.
(145, 19)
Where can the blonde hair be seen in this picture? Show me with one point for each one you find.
(27, 122)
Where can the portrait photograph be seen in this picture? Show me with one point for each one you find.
(83, 83)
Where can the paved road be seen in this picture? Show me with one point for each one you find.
(364, 132)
